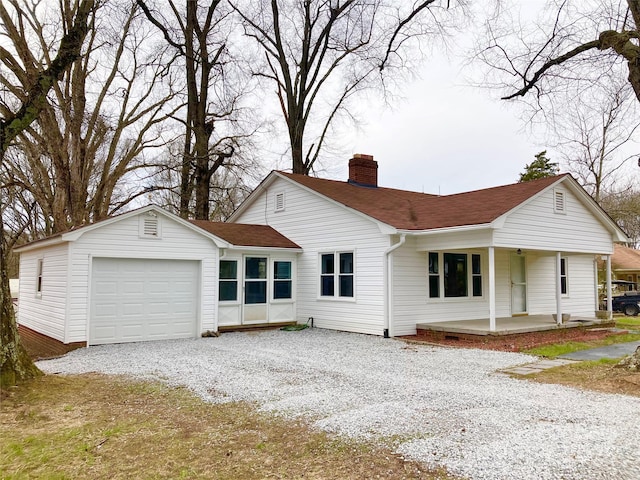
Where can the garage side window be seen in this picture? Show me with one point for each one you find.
(228, 284)
(563, 276)
(39, 277)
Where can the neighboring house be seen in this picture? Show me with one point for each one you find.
(149, 275)
(378, 260)
(625, 264)
(347, 255)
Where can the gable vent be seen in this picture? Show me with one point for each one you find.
(279, 203)
(150, 228)
(150, 225)
(559, 205)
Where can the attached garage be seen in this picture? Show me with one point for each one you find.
(143, 275)
(134, 300)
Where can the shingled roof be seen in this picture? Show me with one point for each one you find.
(246, 235)
(625, 258)
(406, 210)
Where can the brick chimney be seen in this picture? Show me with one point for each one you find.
(363, 170)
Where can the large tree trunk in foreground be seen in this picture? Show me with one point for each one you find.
(15, 364)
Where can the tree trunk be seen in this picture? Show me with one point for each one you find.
(15, 363)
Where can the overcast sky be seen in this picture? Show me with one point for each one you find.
(445, 137)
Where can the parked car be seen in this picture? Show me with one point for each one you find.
(627, 303)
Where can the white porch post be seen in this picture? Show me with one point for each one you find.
(609, 293)
(558, 288)
(492, 289)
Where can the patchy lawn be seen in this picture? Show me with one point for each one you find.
(630, 323)
(601, 376)
(557, 349)
(92, 426)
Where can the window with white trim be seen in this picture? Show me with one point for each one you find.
(228, 283)
(39, 277)
(564, 276)
(455, 275)
(559, 201)
(279, 202)
(282, 281)
(337, 274)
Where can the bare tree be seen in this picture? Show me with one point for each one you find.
(595, 136)
(318, 54)
(106, 111)
(572, 47)
(199, 35)
(229, 185)
(623, 206)
(15, 364)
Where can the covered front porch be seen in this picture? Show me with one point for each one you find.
(508, 325)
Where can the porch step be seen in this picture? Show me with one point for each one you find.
(256, 326)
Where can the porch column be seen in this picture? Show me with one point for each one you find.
(609, 293)
(558, 288)
(492, 289)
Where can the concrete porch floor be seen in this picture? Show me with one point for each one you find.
(508, 325)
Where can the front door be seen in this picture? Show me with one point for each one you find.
(518, 285)
(254, 305)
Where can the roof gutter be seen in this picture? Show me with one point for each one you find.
(389, 284)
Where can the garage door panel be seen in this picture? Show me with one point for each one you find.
(138, 300)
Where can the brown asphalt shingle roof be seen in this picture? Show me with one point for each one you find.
(625, 258)
(246, 235)
(419, 211)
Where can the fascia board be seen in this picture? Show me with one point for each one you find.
(262, 186)
(249, 248)
(440, 231)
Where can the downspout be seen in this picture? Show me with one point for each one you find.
(389, 289)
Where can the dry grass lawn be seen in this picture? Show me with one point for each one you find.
(601, 376)
(95, 427)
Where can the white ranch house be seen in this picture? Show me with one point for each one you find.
(350, 255)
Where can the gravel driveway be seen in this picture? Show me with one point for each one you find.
(443, 407)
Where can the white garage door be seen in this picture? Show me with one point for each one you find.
(134, 300)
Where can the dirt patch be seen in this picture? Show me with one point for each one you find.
(592, 376)
(93, 426)
(520, 341)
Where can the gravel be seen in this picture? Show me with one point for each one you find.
(443, 407)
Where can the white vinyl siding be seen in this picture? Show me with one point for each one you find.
(320, 226)
(44, 312)
(535, 226)
(580, 299)
(122, 240)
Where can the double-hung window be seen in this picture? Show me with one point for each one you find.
(454, 275)
(282, 283)
(337, 274)
(228, 284)
(39, 277)
(563, 276)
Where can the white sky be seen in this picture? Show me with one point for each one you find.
(445, 137)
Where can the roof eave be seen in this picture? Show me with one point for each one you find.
(36, 244)
(266, 249)
(438, 231)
